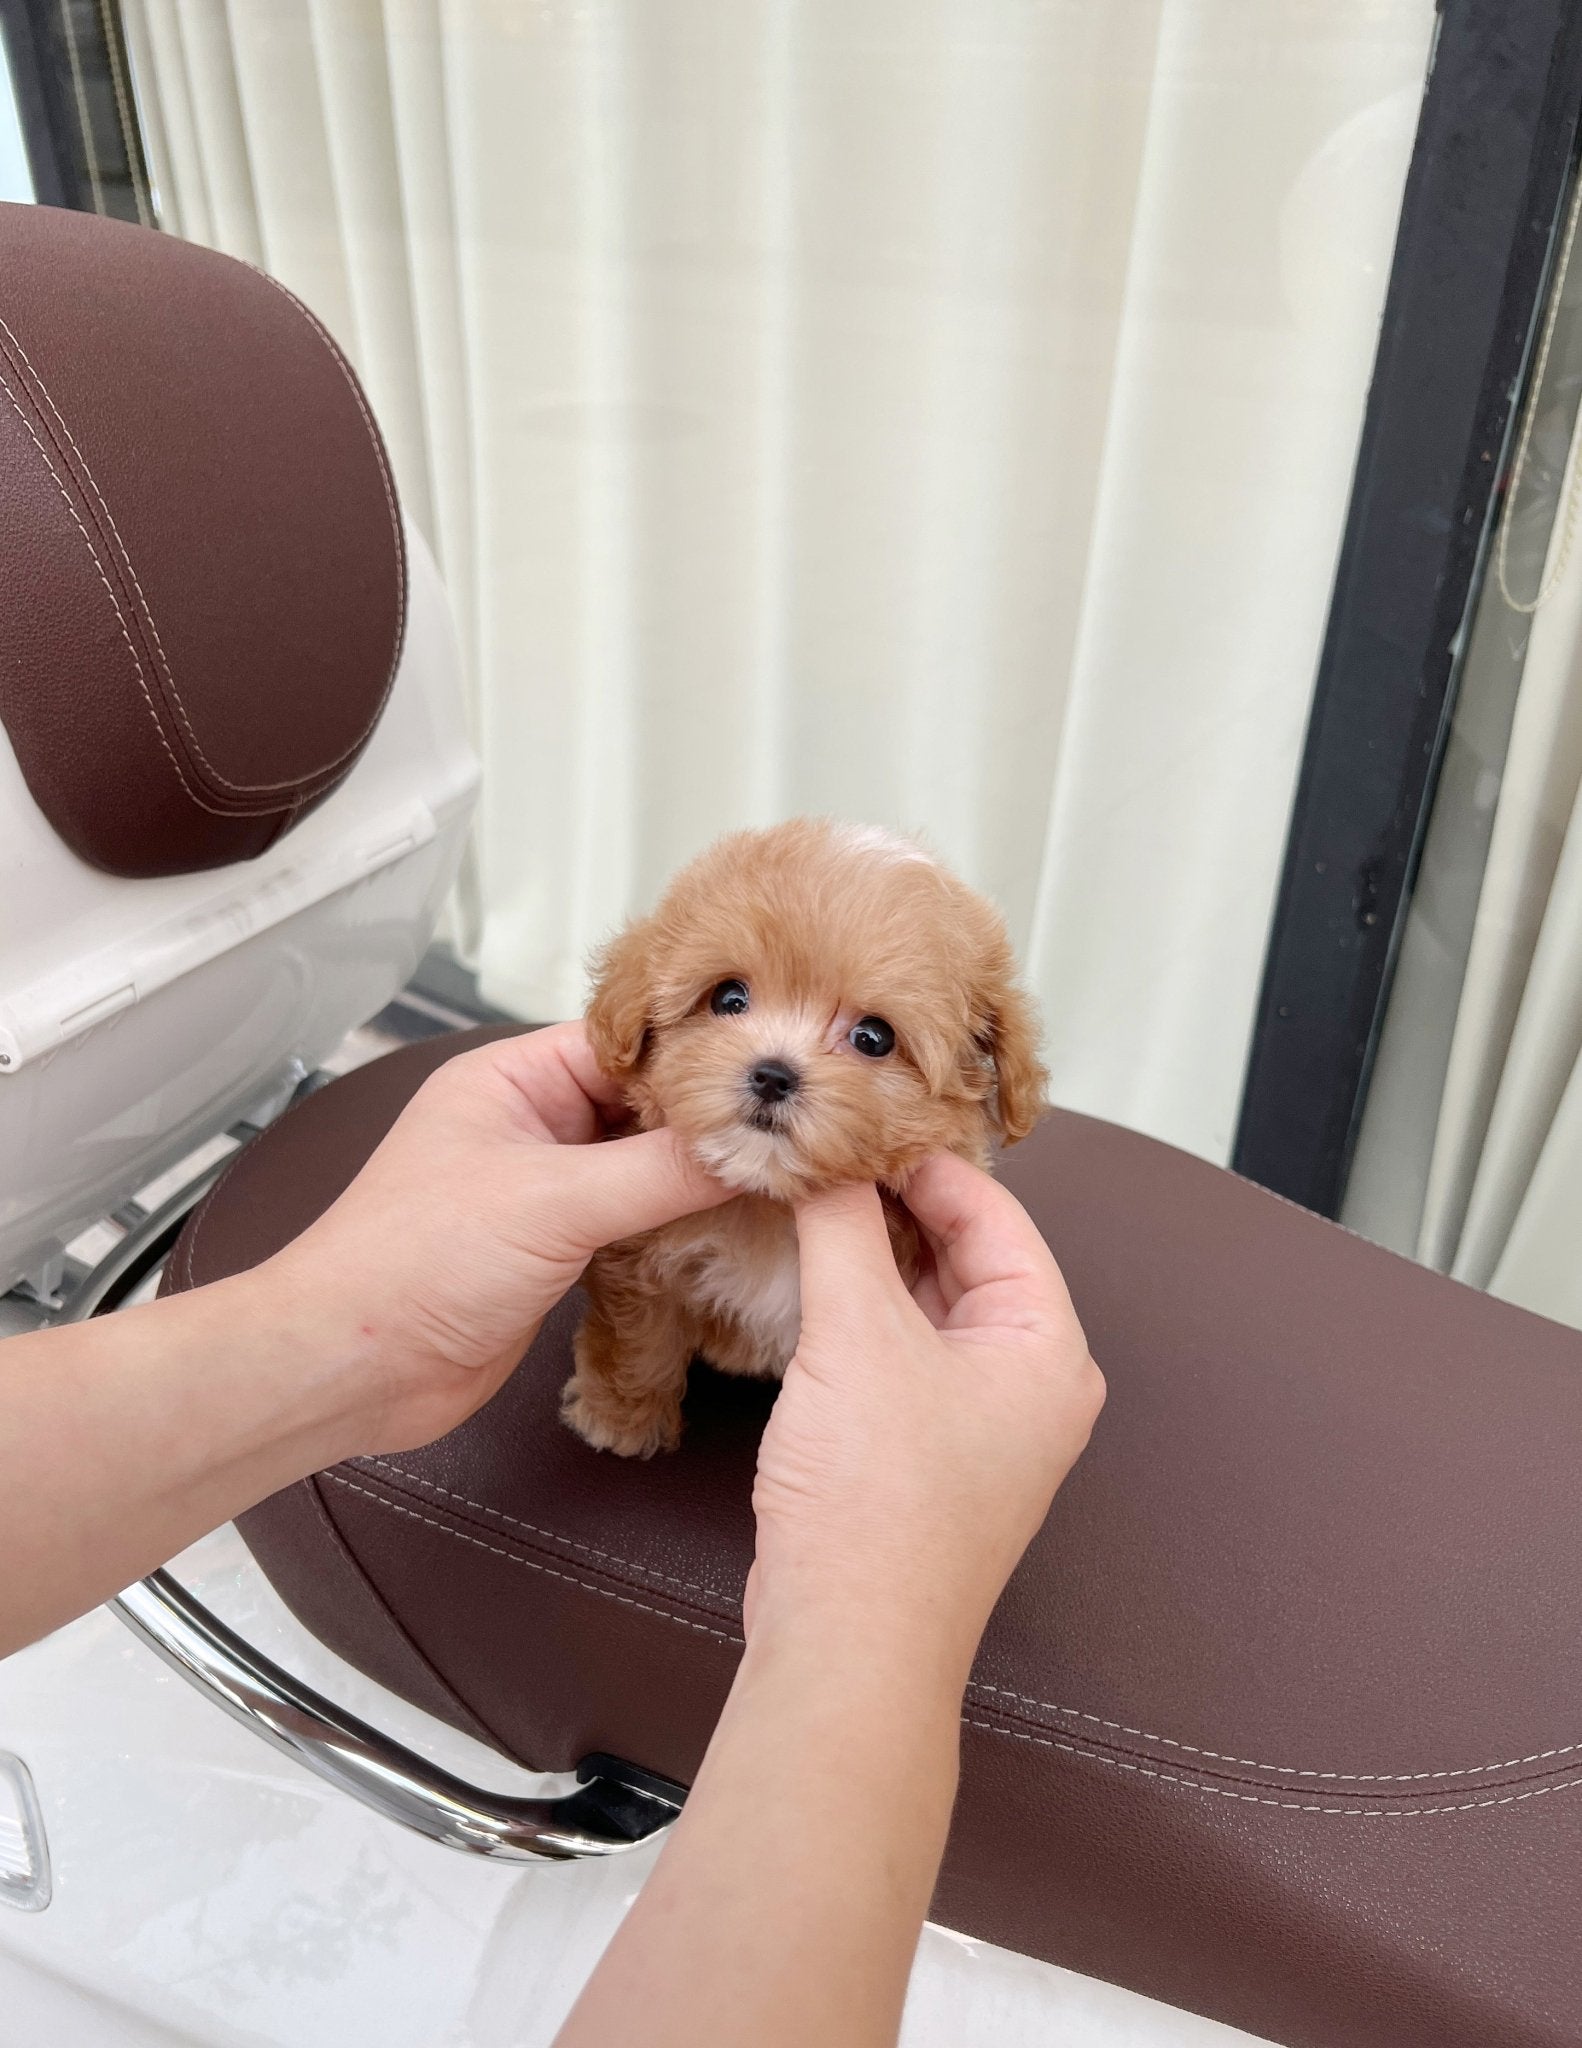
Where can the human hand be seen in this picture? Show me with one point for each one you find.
(425, 1282)
(919, 1438)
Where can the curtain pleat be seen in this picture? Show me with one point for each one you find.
(1530, 1124)
(349, 47)
(418, 68)
(940, 415)
(1470, 1151)
(1221, 491)
(1508, 1060)
(219, 137)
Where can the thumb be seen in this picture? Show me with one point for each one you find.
(844, 1243)
(626, 1185)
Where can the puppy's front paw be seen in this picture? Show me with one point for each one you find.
(611, 1423)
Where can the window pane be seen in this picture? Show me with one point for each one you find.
(16, 180)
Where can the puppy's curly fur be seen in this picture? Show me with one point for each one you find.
(742, 1013)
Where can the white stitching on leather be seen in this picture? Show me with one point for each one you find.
(1001, 1692)
(1261, 1799)
(310, 776)
(532, 1564)
(377, 446)
(326, 1521)
(142, 680)
(553, 1535)
(194, 1229)
(1281, 1770)
(987, 1727)
(241, 788)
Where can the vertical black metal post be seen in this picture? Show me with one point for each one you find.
(71, 76)
(1491, 166)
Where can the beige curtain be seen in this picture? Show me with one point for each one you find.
(1470, 1153)
(938, 412)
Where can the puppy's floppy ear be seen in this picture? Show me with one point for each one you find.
(620, 1014)
(1009, 1037)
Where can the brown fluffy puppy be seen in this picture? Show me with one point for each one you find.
(809, 1005)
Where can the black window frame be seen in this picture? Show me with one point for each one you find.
(73, 83)
(1485, 194)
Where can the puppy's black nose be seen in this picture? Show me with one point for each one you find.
(772, 1080)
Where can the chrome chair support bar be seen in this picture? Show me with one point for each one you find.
(602, 1817)
(614, 1808)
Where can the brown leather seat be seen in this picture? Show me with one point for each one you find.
(1280, 1719)
(202, 574)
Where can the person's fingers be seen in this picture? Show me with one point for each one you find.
(931, 1298)
(984, 1242)
(626, 1185)
(931, 1301)
(926, 1289)
(944, 1289)
(559, 1081)
(844, 1243)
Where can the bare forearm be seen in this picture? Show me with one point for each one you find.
(124, 1440)
(386, 1324)
(787, 1905)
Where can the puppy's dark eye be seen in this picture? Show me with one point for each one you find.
(872, 1037)
(729, 999)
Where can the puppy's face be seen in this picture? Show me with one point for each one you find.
(816, 1004)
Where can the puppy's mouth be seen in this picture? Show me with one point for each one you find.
(758, 1153)
(753, 1135)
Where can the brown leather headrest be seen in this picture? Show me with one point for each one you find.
(202, 578)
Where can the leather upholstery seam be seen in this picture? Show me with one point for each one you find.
(83, 474)
(397, 539)
(1381, 1785)
(1276, 1770)
(465, 1525)
(448, 1528)
(300, 787)
(1266, 1799)
(978, 1687)
(199, 1217)
(142, 681)
(550, 1535)
(1138, 1768)
(192, 1230)
(390, 1618)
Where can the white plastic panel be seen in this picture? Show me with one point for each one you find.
(24, 1846)
(137, 1017)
